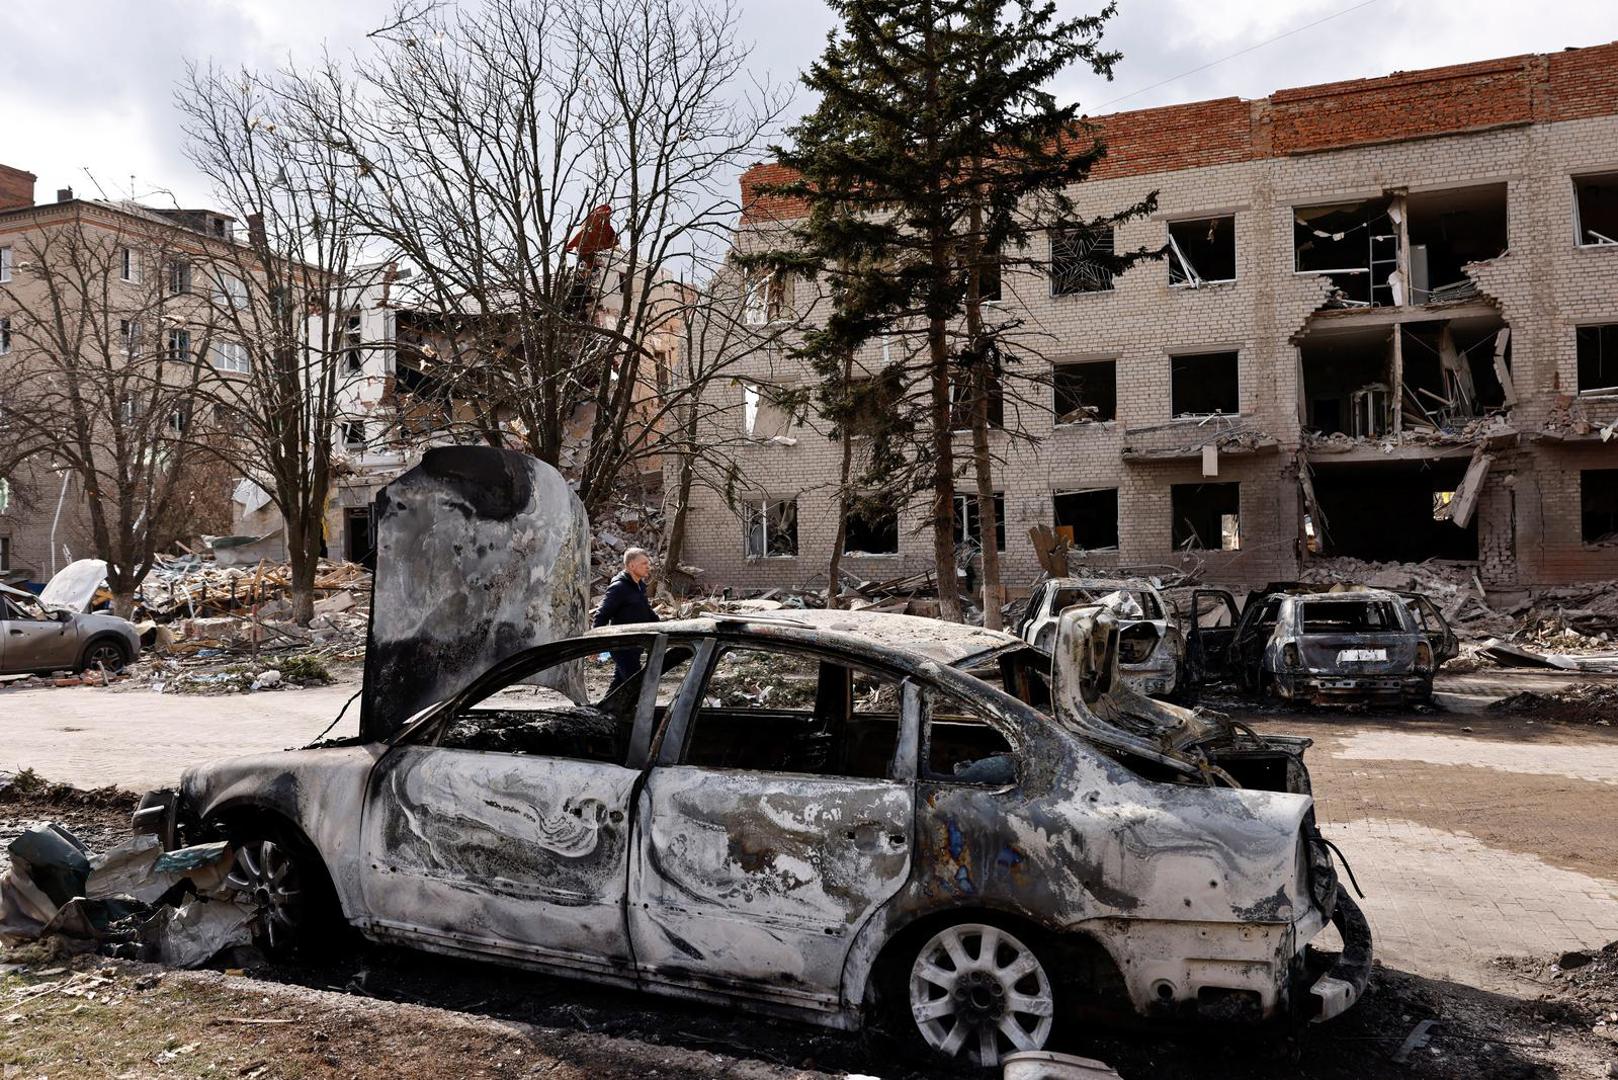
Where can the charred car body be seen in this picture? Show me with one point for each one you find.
(1151, 650)
(927, 822)
(1321, 644)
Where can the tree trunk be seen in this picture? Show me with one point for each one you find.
(988, 520)
(834, 567)
(303, 551)
(123, 603)
(674, 539)
(949, 596)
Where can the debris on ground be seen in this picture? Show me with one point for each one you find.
(134, 901)
(1580, 703)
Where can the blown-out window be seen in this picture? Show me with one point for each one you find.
(771, 528)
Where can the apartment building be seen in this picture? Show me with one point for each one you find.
(1386, 327)
(151, 301)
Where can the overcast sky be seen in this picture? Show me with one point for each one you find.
(88, 83)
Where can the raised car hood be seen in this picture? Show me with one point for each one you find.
(75, 585)
(480, 553)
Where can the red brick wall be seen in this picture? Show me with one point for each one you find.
(1569, 85)
(16, 188)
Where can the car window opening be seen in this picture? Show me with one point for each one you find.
(1349, 617)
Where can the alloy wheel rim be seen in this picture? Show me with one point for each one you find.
(109, 656)
(266, 876)
(978, 990)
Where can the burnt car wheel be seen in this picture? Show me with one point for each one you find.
(288, 886)
(978, 992)
(105, 653)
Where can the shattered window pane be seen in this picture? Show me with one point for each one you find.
(1598, 490)
(772, 528)
(1597, 348)
(961, 746)
(1349, 617)
(776, 710)
(1081, 260)
(1202, 251)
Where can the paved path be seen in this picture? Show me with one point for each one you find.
(139, 740)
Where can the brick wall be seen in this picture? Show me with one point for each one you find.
(1570, 85)
(16, 188)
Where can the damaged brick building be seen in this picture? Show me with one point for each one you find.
(1386, 327)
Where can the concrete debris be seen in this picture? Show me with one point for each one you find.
(1508, 655)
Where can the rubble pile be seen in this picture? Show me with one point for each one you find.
(1580, 703)
(191, 587)
(626, 523)
(134, 901)
(1581, 985)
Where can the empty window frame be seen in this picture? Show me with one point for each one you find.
(351, 343)
(1087, 520)
(1086, 392)
(1354, 244)
(5, 553)
(762, 417)
(768, 297)
(5, 263)
(1202, 384)
(230, 356)
(1597, 348)
(1596, 209)
(1081, 260)
(179, 277)
(1202, 251)
(128, 264)
(179, 344)
(1598, 506)
(1449, 229)
(354, 434)
(770, 528)
(961, 402)
(5, 335)
(966, 515)
(1206, 516)
(872, 528)
(129, 335)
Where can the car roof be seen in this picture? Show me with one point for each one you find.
(1103, 583)
(945, 642)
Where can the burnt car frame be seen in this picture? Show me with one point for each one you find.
(1151, 649)
(1320, 644)
(942, 829)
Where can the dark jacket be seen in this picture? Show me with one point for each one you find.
(625, 602)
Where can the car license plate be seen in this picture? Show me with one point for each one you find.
(1348, 655)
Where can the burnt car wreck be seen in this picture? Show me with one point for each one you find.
(932, 827)
(1320, 644)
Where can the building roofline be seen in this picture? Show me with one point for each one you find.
(1402, 106)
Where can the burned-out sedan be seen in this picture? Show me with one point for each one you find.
(841, 817)
(1322, 644)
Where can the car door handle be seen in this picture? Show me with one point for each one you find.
(16, 633)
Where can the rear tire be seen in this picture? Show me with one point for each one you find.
(973, 992)
(108, 653)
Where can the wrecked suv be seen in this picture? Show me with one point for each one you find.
(1322, 644)
(913, 823)
(1150, 648)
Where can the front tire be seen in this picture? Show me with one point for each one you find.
(286, 883)
(105, 653)
(977, 992)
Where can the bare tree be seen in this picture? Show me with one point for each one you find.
(553, 168)
(100, 376)
(280, 296)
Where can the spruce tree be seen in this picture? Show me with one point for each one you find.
(935, 153)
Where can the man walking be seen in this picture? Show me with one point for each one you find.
(625, 603)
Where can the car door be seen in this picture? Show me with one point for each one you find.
(1434, 627)
(1032, 611)
(768, 833)
(1209, 633)
(33, 639)
(507, 832)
